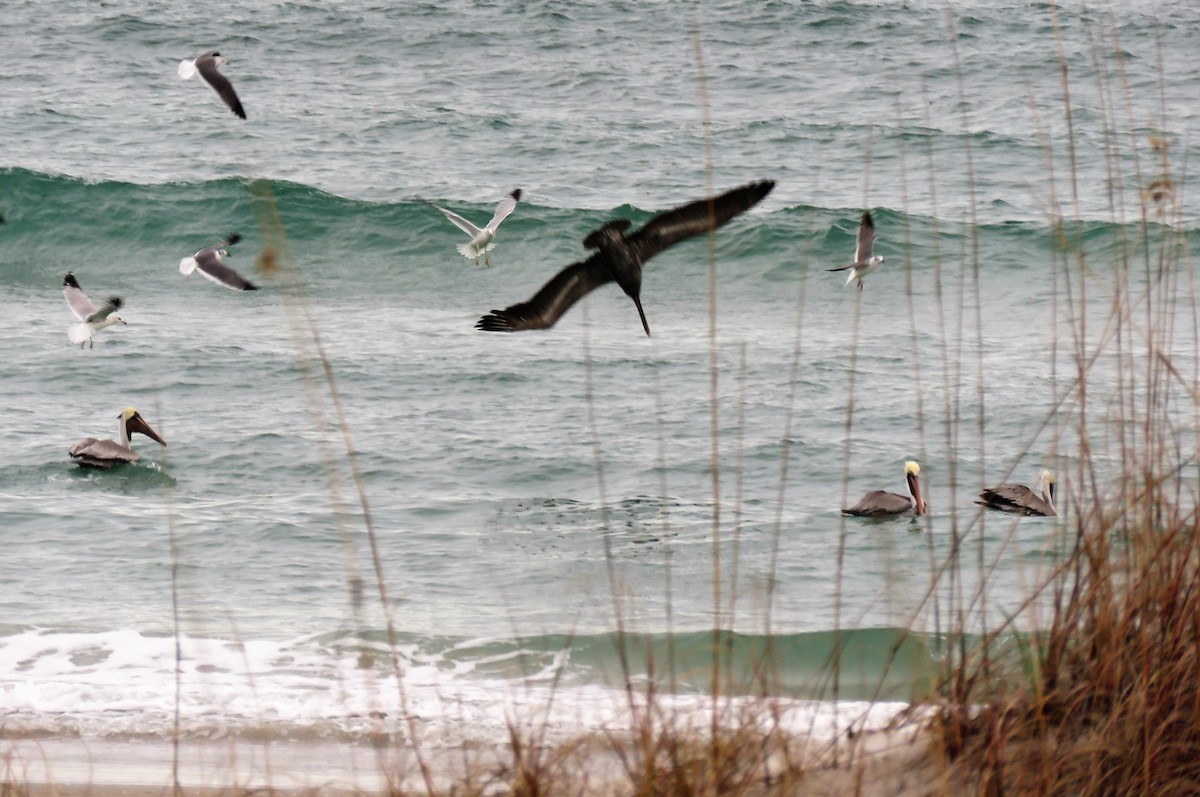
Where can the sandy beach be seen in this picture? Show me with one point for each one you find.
(874, 763)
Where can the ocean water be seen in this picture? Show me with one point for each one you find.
(548, 523)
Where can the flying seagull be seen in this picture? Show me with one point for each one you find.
(864, 262)
(481, 239)
(1019, 499)
(92, 319)
(207, 67)
(104, 454)
(880, 503)
(208, 260)
(619, 258)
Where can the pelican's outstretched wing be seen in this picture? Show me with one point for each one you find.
(553, 300)
(669, 228)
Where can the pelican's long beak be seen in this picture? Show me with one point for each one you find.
(138, 424)
(914, 487)
(637, 301)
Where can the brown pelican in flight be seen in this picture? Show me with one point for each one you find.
(206, 66)
(91, 318)
(104, 454)
(864, 261)
(879, 502)
(208, 261)
(481, 238)
(1019, 499)
(619, 258)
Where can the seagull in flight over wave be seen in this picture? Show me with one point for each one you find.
(482, 237)
(206, 66)
(864, 261)
(208, 261)
(92, 319)
(619, 258)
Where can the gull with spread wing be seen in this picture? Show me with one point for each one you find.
(208, 262)
(92, 319)
(864, 261)
(207, 67)
(482, 238)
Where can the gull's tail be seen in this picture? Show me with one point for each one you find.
(186, 69)
(187, 266)
(474, 250)
(79, 333)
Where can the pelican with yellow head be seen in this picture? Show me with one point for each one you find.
(104, 454)
(881, 503)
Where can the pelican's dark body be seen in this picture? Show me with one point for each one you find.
(619, 258)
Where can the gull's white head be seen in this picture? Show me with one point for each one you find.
(108, 322)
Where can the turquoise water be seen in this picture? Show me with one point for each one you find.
(539, 493)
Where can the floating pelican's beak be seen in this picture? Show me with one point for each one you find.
(138, 424)
(637, 301)
(914, 487)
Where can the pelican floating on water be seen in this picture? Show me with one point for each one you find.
(104, 454)
(879, 502)
(1020, 500)
(482, 237)
(206, 66)
(864, 261)
(208, 261)
(619, 258)
(92, 319)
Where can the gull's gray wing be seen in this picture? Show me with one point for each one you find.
(208, 261)
(458, 221)
(694, 218)
(866, 240)
(505, 207)
(553, 300)
(207, 66)
(106, 308)
(77, 300)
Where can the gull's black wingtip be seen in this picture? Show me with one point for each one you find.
(516, 195)
(116, 301)
(233, 239)
(69, 281)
